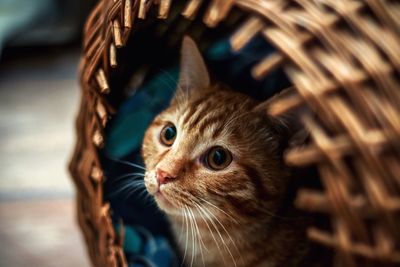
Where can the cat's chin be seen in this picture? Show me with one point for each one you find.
(166, 205)
(162, 201)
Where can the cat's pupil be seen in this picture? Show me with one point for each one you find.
(219, 157)
(170, 133)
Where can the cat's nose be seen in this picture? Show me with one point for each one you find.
(163, 176)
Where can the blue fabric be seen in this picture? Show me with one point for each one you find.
(136, 113)
(234, 68)
(142, 248)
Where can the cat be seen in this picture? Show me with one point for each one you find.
(214, 165)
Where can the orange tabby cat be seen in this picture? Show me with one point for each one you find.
(214, 165)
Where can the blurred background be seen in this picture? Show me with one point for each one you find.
(39, 95)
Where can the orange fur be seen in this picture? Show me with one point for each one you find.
(226, 217)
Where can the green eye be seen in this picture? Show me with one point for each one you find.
(168, 134)
(218, 158)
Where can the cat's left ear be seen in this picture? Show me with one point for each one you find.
(287, 124)
(193, 75)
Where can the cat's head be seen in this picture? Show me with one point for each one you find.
(214, 149)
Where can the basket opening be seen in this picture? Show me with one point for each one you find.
(141, 87)
(342, 59)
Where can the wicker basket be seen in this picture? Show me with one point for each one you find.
(342, 56)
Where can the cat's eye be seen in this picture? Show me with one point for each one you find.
(218, 158)
(168, 134)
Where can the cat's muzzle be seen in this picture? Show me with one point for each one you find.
(150, 181)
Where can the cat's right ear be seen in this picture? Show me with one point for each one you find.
(288, 124)
(193, 74)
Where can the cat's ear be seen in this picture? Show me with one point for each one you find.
(193, 75)
(287, 124)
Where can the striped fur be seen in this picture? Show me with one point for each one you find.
(229, 217)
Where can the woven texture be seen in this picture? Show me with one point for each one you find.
(342, 56)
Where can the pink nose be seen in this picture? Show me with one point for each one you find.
(163, 177)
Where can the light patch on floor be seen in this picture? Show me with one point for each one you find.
(40, 233)
(39, 97)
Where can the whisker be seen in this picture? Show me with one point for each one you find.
(126, 163)
(143, 193)
(125, 186)
(134, 176)
(181, 234)
(187, 233)
(207, 213)
(169, 76)
(221, 210)
(227, 233)
(211, 232)
(187, 91)
(122, 188)
(199, 237)
(149, 199)
(193, 237)
(266, 211)
(198, 231)
(134, 190)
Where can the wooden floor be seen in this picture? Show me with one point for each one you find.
(38, 102)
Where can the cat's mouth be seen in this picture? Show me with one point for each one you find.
(162, 194)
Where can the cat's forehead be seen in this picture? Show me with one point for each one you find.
(212, 111)
(222, 103)
(216, 118)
